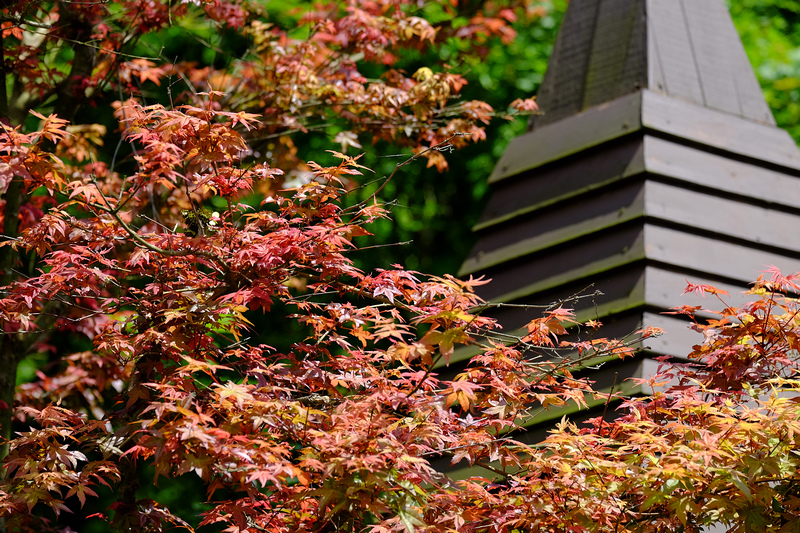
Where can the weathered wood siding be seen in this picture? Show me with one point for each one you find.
(656, 160)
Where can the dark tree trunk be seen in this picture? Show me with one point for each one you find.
(10, 354)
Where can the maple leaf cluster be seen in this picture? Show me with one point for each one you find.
(339, 429)
(376, 380)
(342, 429)
(306, 69)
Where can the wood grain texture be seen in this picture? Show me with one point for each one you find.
(685, 49)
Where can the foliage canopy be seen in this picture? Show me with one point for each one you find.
(136, 271)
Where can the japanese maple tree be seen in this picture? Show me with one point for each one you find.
(162, 252)
(298, 72)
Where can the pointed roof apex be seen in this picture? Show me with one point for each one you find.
(685, 49)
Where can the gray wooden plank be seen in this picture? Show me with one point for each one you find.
(715, 258)
(712, 52)
(677, 340)
(669, 39)
(663, 289)
(751, 98)
(563, 181)
(726, 76)
(719, 130)
(728, 218)
(706, 169)
(636, 64)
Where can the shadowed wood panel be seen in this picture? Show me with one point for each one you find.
(562, 90)
(611, 292)
(618, 64)
(562, 222)
(569, 136)
(563, 180)
(549, 268)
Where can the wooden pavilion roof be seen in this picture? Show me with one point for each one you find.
(656, 160)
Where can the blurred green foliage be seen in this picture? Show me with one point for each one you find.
(770, 31)
(436, 211)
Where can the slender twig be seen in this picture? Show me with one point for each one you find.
(608, 400)
(444, 145)
(20, 22)
(425, 376)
